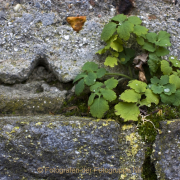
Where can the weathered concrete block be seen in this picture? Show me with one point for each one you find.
(56, 147)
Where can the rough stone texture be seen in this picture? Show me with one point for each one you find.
(166, 151)
(29, 143)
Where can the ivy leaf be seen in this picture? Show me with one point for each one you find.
(164, 80)
(151, 37)
(99, 107)
(130, 96)
(139, 30)
(119, 18)
(101, 72)
(127, 111)
(79, 76)
(116, 46)
(134, 20)
(149, 47)
(90, 66)
(150, 98)
(163, 39)
(177, 98)
(126, 55)
(124, 30)
(173, 79)
(111, 83)
(111, 61)
(90, 79)
(79, 87)
(162, 51)
(157, 89)
(140, 40)
(174, 61)
(108, 31)
(165, 67)
(91, 99)
(154, 80)
(96, 86)
(108, 94)
(169, 89)
(138, 86)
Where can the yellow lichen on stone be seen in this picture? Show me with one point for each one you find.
(127, 127)
(14, 129)
(38, 123)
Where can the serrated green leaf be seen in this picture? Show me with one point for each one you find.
(163, 39)
(124, 30)
(91, 99)
(90, 79)
(174, 61)
(154, 80)
(169, 89)
(79, 87)
(101, 72)
(167, 99)
(126, 55)
(130, 96)
(108, 31)
(108, 94)
(127, 111)
(119, 18)
(115, 54)
(150, 98)
(79, 76)
(153, 65)
(140, 40)
(177, 98)
(116, 46)
(157, 89)
(149, 47)
(99, 107)
(151, 37)
(111, 83)
(164, 80)
(134, 20)
(138, 86)
(90, 66)
(162, 51)
(165, 67)
(96, 86)
(154, 56)
(139, 30)
(111, 61)
(173, 79)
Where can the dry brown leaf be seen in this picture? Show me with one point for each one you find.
(159, 113)
(70, 108)
(142, 76)
(142, 57)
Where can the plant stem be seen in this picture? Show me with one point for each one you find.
(117, 74)
(130, 72)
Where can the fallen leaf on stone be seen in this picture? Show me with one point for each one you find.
(76, 22)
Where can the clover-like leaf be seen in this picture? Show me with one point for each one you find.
(79, 76)
(165, 67)
(140, 40)
(130, 96)
(111, 83)
(101, 72)
(162, 51)
(96, 86)
(164, 80)
(134, 20)
(151, 37)
(174, 61)
(108, 31)
(111, 61)
(140, 30)
(79, 87)
(174, 79)
(90, 79)
(163, 39)
(157, 89)
(127, 111)
(138, 86)
(90, 66)
(91, 99)
(120, 18)
(124, 30)
(149, 46)
(99, 107)
(169, 89)
(154, 80)
(108, 94)
(167, 99)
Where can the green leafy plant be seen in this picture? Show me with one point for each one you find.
(164, 84)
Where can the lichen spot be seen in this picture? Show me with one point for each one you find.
(76, 22)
